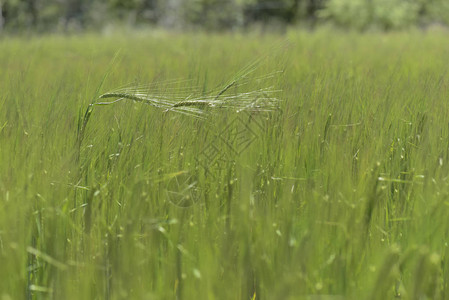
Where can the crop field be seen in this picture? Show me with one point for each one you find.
(156, 165)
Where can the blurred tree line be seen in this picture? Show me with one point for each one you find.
(62, 15)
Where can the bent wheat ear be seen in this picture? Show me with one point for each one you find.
(153, 100)
(170, 96)
(121, 95)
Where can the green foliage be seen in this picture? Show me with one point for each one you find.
(218, 15)
(213, 14)
(384, 14)
(438, 11)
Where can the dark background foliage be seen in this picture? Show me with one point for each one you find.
(76, 15)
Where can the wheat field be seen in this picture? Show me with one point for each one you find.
(158, 165)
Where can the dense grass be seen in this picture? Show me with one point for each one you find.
(343, 192)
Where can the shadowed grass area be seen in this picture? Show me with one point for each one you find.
(341, 192)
